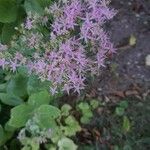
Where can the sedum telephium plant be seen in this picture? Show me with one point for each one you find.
(63, 44)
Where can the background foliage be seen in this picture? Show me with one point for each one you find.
(13, 12)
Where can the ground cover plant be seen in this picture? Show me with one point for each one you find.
(34, 117)
(50, 52)
(13, 13)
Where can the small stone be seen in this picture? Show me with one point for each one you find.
(137, 15)
(147, 60)
(129, 3)
(107, 99)
(145, 22)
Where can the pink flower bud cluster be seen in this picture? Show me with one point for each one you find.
(78, 44)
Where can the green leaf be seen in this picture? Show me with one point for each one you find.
(86, 112)
(19, 115)
(119, 111)
(65, 109)
(18, 86)
(4, 136)
(56, 134)
(9, 128)
(123, 104)
(33, 143)
(94, 104)
(48, 110)
(1, 26)
(23, 70)
(38, 99)
(127, 147)
(26, 147)
(72, 126)
(21, 14)
(116, 147)
(3, 87)
(50, 147)
(34, 85)
(85, 120)
(126, 124)
(8, 31)
(10, 99)
(33, 6)
(1, 132)
(46, 115)
(8, 11)
(19, 1)
(71, 121)
(83, 106)
(14, 144)
(44, 3)
(67, 144)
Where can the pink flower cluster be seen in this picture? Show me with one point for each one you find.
(13, 63)
(64, 67)
(82, 44)
(3, 47)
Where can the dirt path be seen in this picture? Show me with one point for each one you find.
(127, 68)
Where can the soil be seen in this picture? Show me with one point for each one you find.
(127, 68)
(125, 76)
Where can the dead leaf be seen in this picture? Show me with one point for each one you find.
(132, 40)
(119, 94)
(131, 92)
